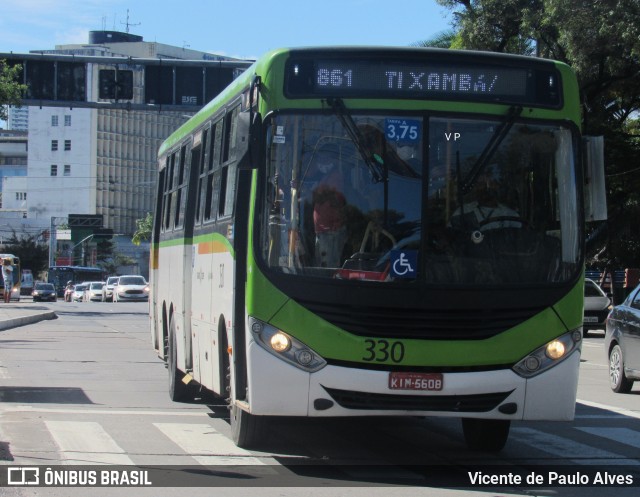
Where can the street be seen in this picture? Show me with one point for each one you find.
(87, 389)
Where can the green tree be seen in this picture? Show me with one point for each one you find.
(111, 265)
(143, 231)
(104, 251)
(600, 39)
(33, 255)
(10, 89)
(443, 39)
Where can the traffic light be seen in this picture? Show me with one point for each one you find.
(115, 85)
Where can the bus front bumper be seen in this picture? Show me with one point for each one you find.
(278, 388)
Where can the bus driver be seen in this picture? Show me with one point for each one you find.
(486, 212)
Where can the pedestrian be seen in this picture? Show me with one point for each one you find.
(7, 276)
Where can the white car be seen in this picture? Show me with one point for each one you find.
(78, 292)
(596, 307)
(131, 288)
(93, 291)
(107, 289)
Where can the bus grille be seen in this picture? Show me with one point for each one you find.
(435, 324)
(450, 403)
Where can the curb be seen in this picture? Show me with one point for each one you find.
(24, 320)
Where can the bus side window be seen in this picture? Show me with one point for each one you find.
(203, 157)
(211, 181)
(181, 187)
(166, 202)
(228, 176)
(157, 218)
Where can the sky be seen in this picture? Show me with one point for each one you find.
(235, 28)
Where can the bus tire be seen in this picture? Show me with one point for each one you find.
(488, 435)
(178, 391)
(246, 428)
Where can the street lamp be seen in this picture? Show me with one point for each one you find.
(81, 242)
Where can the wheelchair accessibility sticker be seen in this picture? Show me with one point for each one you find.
(404, 264)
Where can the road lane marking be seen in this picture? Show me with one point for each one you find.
(618, 410)
(134, 412)
(567, 449)
(621, 435)
(206, 445)
(86, 442)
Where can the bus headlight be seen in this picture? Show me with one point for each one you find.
(284, 346)
(280, 342)
(550, 354)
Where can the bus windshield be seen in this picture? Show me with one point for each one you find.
(407, 199)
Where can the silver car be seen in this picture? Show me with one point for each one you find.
(622, 343)
(596, 307)
(78, 292)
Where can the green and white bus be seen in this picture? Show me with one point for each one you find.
(438, 272)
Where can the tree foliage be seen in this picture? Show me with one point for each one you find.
(33, 255)
(10, 89)
(600, 40)
(143, 231)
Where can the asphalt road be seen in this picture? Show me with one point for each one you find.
(87, 389)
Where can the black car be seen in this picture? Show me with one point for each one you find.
(44, 291)
(622, 343)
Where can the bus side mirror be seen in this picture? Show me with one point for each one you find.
(595, 193)
(248, 134)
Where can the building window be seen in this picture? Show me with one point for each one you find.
(67, 144)
(54, 170)
(67, 169)
(54, 120)
(54, 145)
(67, 120)
(21, 195)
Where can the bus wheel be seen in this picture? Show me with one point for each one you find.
(617, 379)
(178, 391)
(485, 434)
(246, 428)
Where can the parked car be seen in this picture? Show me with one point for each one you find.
(131, 288)
(596, 307)
(622, 343)
(107, 289)
(93, 291)
(44, 291)
(78, 292)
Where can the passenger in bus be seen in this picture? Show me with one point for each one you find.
(7, 276)
(486, 212)
(329, 204)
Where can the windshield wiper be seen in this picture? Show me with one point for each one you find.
(374, 162)
(496, 139)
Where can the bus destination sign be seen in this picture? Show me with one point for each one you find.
(438, 80)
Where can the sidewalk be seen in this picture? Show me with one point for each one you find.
(21, 313)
